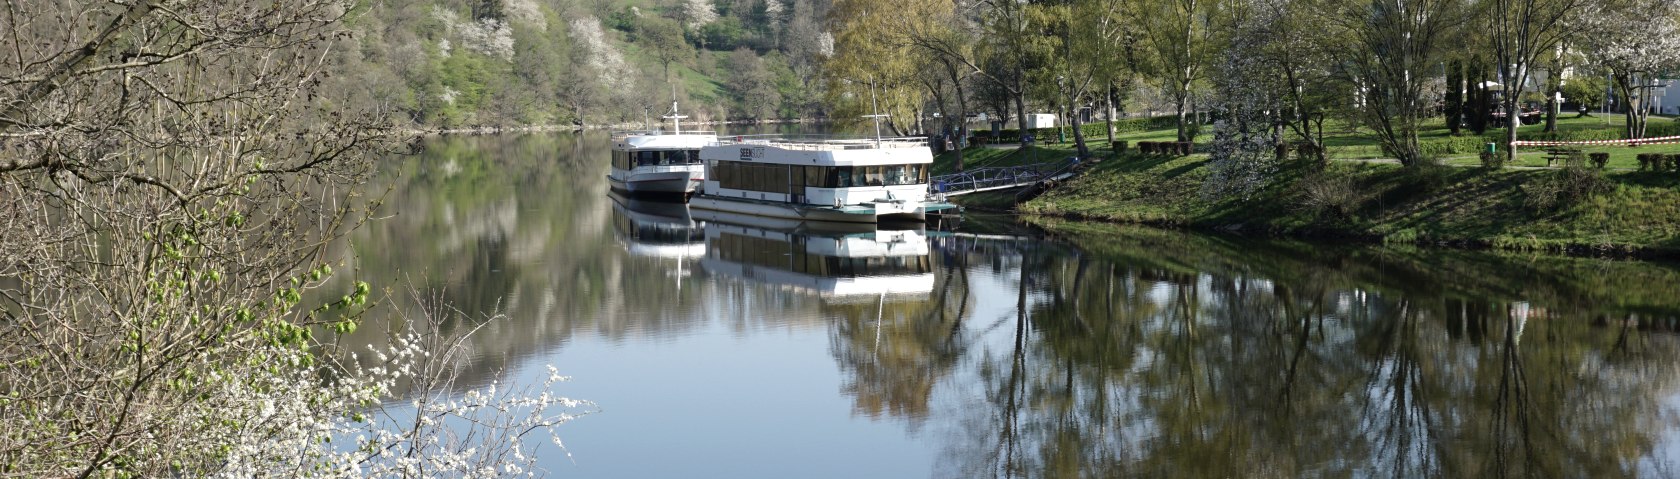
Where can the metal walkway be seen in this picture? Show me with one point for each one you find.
(1000, 178)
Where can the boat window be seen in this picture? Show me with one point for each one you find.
(840, 177)
(647, 158)
(922, 172)
(898, 175)
(814, 175)
(755, 177)
(722, 173)
(875, 176)
(694, 157)
(675, 157)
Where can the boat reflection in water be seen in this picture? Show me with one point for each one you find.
(657, 229)
(834, 261)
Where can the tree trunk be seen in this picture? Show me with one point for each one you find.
(1478, 98)
(1078, 133)
(1108, 111)
(962, 115)
(1512, 117)
(1020, 94)
(1554, 87)
(1178, 103)
(1455, 96)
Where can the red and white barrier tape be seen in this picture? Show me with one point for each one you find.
(1665, 140)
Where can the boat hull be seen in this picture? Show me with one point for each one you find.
(667, 183)
(802, 212)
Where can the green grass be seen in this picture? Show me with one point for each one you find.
(1638, 212)
(1350, 142)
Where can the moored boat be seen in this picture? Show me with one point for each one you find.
(819, 179)
(657, 162)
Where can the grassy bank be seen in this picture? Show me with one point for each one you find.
(1613, 212)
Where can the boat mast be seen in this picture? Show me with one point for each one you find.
(875, 106)
(676, 118)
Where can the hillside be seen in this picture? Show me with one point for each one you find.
(476, 63)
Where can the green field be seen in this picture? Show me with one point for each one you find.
(1623, 212)
(1347, 142)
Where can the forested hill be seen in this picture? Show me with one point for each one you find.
(476, 63)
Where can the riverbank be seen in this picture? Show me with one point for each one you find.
(1592, 213)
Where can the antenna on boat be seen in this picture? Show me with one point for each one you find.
(676, 118)
(875, 106)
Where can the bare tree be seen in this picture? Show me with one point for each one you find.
(1522, 31)
(1390, 68)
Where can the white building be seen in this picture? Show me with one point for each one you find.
(1041, 120)
(1666, 99)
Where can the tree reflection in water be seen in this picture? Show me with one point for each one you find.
(1146, 353)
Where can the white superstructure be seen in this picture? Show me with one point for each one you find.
(850, 180)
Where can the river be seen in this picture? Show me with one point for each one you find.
(716, 349)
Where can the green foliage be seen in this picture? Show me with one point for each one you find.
(1586, 90)
(723, 35)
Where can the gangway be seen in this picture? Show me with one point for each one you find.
(1000, 177)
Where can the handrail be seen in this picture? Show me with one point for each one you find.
(625, 133)
(997, 177)
(821, 142)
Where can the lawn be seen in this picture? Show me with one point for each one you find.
(1348, 142)
(1637, 212)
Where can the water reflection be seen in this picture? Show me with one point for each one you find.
(831, 264)
(1163, 354)
(657, 229)
(1095, 351)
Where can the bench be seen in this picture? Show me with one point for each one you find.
(1559, 153)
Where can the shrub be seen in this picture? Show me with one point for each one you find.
(1146, 147)
(1599, 160)
(1329, 194)
(1645, 162)
(1185, 148)
(1563, 187)
(1454, 145)
(1576, 159)
(1119, 147)
(1492, 161)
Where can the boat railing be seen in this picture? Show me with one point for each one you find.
(822, 142)
(628, 133)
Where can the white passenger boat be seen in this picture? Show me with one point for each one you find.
(833, 264)
(817, 179)
(657, 162)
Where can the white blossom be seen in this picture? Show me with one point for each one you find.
(699, 13)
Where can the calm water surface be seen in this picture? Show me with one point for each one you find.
(721, 349)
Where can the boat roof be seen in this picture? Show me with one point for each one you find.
(656, 139)
(824, 142)
(817, 150)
